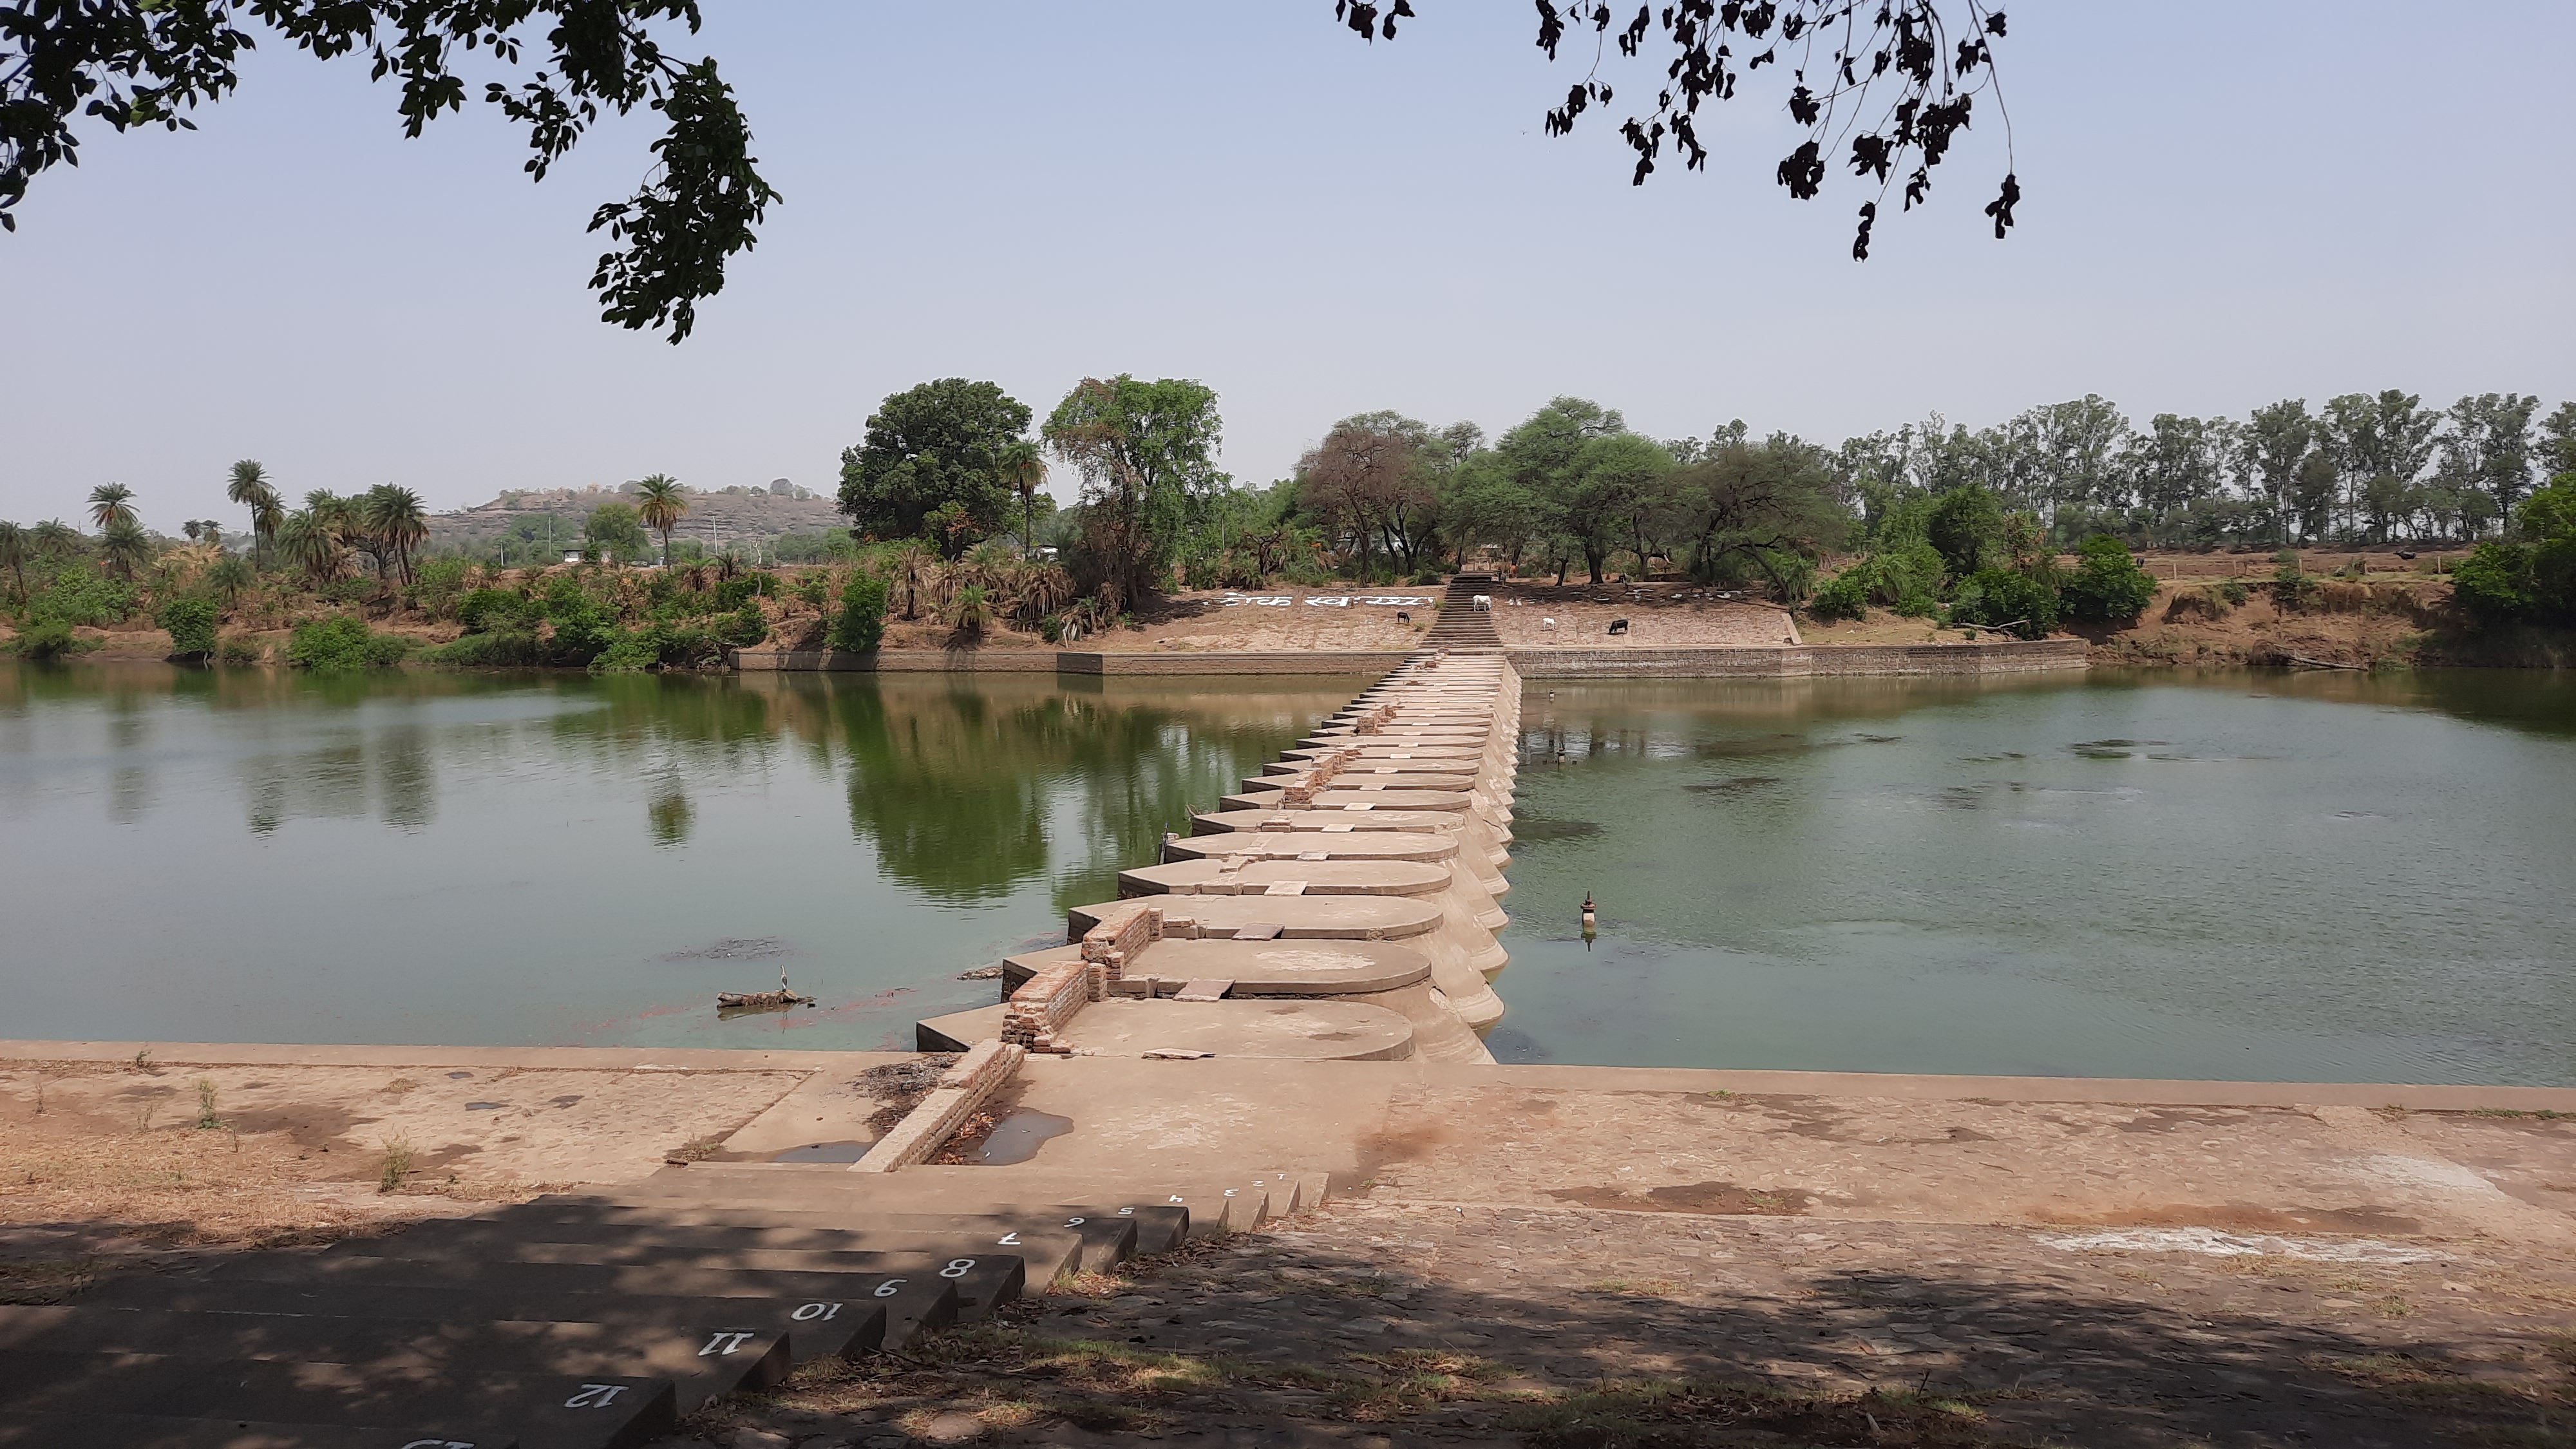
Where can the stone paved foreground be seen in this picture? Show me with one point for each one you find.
(1392, 1322)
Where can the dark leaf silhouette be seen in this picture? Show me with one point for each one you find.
(133, 63)
(1909, 124)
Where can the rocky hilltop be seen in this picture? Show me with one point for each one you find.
(715, 517)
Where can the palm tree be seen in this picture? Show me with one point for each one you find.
(396, 519)
(310, 543)
(124, 544)
(664, 499)
(13, 554)
(971, 612)
(111, 504)
(250, 488)
(1024, 468)
(229, 576)
(909, 562)
(54, 538)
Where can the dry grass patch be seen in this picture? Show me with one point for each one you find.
(1635, 1287)
(1089, 1283)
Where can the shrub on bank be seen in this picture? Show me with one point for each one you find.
(342, 643)
(2002, 599)
(1844, 596)
(191, 625)
(2531, 579)
(50, 639)
(2107, 586)
(239, 650)
(863, 609)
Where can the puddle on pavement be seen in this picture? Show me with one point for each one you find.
(1016, 1138)
(824, 1152)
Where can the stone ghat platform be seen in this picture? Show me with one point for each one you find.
(2226, 1244)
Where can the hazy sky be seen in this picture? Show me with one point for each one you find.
(2226, 203)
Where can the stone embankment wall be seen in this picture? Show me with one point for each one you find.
(1781, 661)
(1801, 661)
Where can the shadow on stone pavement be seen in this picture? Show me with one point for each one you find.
(1399, 1323)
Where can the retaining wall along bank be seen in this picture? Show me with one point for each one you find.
(1788, 661)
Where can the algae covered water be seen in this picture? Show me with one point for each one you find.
(196, 855)
(2219, 875)
(2216, 875)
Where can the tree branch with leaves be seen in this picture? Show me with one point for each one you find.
(136, 63)
(1886, 86)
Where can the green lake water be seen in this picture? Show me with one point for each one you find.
(2290, 877)
(2216, 875)
(245, 855)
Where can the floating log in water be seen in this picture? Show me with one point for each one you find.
(762, 998)
(778, 1000)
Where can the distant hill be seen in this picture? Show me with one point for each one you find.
(714, 519)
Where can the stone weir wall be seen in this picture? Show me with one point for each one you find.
(1780, 662)
(2011, 656)
(1340, 906)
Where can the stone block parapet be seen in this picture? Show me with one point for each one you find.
(962, 1089)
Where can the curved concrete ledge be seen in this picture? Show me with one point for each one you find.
(1275, 1029)
(1432, 845)
(1230, 877)
(1439, 1035)
(1299, 918)
(1257, 968)
(1480, 837)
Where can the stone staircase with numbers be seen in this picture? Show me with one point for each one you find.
(576, 1321)
(1360, 874)
(1462, 627)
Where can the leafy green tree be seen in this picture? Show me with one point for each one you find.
(111, 504)
(2487, 446)
(2557, 447)
(934, 445)
(2107, 586)
(1369, 481)
(617, 530)
(661, 502)
(1766, 507)
(1483, 504)
(2276, 440)
(1146, 452)
(2530, 578)
(191, 623)
(861, 624)
(1966, 528)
